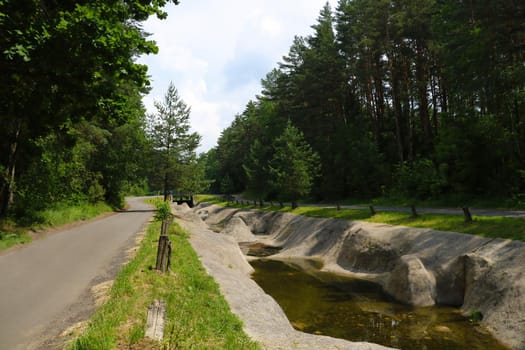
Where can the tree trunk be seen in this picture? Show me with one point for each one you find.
(410, 126)
(294, 204)
(409, 101)
(466, 213)
(380, 95)
(517, 122)
(6, 192)
(166, 169)
(421, 73)
(398, 122)
(395, 97)
(166, 185)
(434, 89)
(443, 92)
(370, 101)
(413, 211)
(7, 180)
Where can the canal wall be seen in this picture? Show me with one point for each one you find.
(263, 319)
(419, 267)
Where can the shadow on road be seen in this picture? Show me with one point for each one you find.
(136, 211)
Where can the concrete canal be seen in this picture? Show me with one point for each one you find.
(323, 303)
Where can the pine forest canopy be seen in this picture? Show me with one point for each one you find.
(420, 98)
(417, 98)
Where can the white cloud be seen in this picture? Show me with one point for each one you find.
(271, 26)
(216, 53)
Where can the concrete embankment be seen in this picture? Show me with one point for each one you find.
(262, 317)
(415, 266)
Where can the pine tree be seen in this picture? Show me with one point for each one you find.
(169, 132)
(294, 165)
(256, 171)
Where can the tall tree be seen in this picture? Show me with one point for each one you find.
(63, 62)
(169, 132)
(255, 166)
(402, 92)
(294, 165)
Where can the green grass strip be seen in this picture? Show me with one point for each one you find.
(65, 213)
(12, 233)
(492, 227)
(9, 239)
(197, 316)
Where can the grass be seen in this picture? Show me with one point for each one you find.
(197, 316)
(446, 202)
(492, 227)
(65, 213)
(11, 237)
(12, 233)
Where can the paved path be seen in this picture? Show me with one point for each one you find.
(45, 284)
(447, 211)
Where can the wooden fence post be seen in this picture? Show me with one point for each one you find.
(466, 213)
(413, 210)
(163, 262)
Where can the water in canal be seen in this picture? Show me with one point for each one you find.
(358, 310)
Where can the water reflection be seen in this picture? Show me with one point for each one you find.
(358, 310)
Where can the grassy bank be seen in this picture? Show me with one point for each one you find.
(197, 315)
(479, 203)
(10, 237)
(493, 227)
(13, 233)
(65, 213)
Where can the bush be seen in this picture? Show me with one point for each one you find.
(163, 210)
(419, 180)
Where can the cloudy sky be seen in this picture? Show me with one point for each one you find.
(216, 53)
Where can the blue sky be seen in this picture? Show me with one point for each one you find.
(216, 53)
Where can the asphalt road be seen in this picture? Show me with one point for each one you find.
(45, 286)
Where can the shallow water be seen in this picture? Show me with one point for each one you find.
(358, 310)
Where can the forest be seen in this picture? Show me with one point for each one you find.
(73, 126)
(396, 98)
(418, 99)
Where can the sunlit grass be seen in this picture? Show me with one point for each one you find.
(10, 238)
(209, 199)
(451, 201)
(197, 315)
(14, 233)
(65, 213)
(493, 227)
